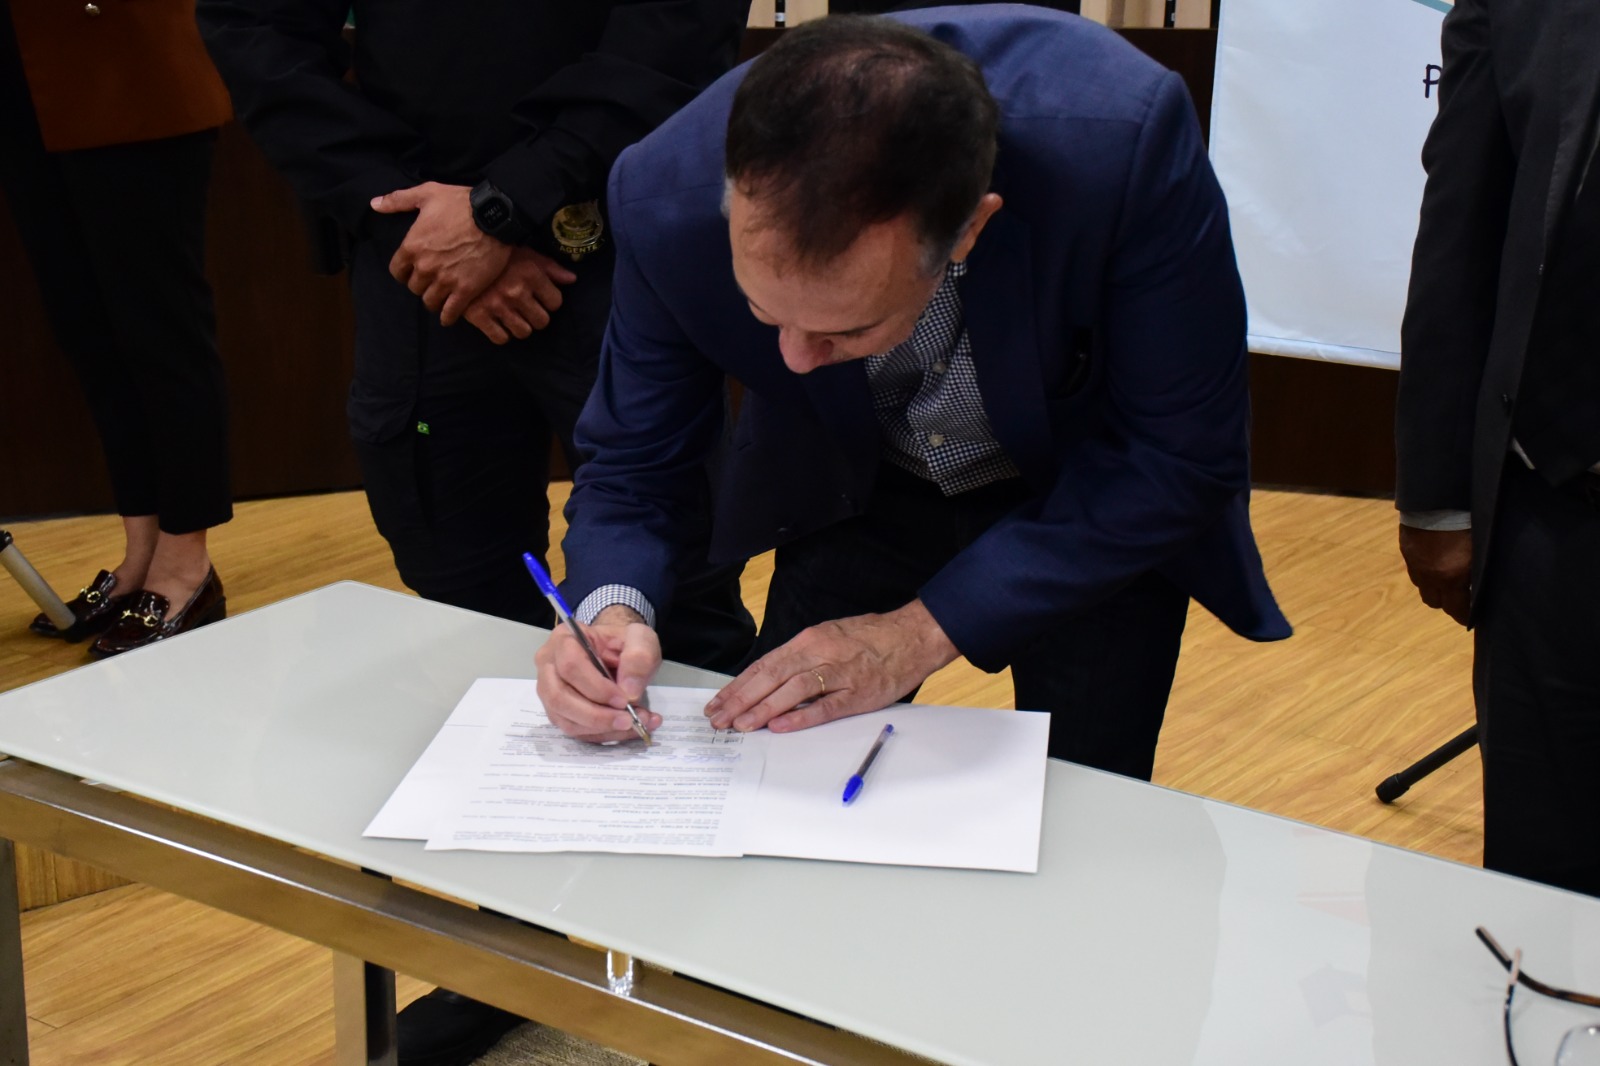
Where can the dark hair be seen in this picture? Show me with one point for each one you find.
(853, 120)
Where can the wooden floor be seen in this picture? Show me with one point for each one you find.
(1303, 728)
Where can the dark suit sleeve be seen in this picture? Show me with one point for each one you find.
(284, 62)
(1450, 307)
(653, 57)
(1172, 454)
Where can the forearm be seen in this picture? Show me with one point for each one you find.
(919, 641)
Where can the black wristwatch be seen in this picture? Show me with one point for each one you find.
(496, 215)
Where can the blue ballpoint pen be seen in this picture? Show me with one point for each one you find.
(564, 613)
(852, 787)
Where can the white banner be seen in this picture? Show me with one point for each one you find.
(1317, 124)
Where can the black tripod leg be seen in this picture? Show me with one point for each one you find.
(1396, 786)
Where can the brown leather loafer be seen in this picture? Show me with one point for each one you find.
(94, 608)
(150, 618)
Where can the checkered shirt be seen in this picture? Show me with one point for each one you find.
(925, 393)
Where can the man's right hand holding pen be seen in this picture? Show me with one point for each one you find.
(578, 699)
(833, 670)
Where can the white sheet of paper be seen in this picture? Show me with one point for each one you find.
(431, 784)
(953, 786)
(531, 789)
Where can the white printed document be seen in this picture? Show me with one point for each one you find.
(500, 777)
(953, 786)
(687, 793)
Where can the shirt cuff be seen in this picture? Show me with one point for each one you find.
(1438, 521)
(611, 595)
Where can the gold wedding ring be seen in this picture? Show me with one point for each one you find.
(822, 684)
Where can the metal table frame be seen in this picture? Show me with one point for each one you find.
(376, 926)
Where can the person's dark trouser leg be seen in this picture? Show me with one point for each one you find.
(708, 624)
(1537, 684)
(462, 502)
(143, 211)
(869, 564)
(1105, 676)
(52, 236)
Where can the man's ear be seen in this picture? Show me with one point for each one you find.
(987, 206)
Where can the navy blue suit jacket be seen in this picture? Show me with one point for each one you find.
(1107, 324)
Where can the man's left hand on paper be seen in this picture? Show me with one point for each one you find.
(577, 699)
(445, 259)
(835, 670)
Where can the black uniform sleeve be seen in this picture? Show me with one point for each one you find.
(284, 62)
(653, 57)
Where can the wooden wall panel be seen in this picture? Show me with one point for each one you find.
(1322, 425)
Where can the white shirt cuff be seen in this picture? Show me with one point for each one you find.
(611, 595)
(1439, 521)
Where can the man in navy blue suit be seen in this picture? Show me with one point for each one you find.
(974, 273)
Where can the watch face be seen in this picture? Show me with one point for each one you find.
(495, 213)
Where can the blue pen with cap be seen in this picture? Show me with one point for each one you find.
(858, 780)
(564, 613)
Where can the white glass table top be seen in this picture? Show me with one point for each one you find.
(1161, 929)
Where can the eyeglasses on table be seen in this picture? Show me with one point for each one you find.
(1581, 1045)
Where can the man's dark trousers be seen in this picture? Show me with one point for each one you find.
(1537, 682)
(1536, 670)
(1104, 675)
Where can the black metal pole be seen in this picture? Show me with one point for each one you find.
(1171, 20)
(1396, 785)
